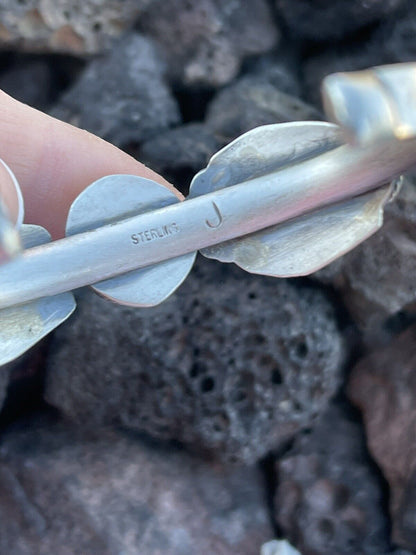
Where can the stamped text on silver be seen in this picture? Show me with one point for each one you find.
(154, 233)
(217, 221)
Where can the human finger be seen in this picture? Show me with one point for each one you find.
(54, 161)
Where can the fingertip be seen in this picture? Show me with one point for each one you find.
(54, 162)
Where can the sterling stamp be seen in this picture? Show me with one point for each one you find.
(282, 200)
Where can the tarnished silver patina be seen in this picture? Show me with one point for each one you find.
(281, 200)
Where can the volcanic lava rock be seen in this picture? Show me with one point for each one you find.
(65, 492)
(397, 39)
(382, 385)
(333, 19)
(205, 42)
(4, 382)
(121, 97)
(328, 499)
(232, 363)
(178, 154)
(81, 27)
(392, 42)
(317, 67)
(252, 101)
(21, 382)
(280, 69)
(376, 278)
(29, 81)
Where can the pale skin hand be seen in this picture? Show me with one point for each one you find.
(54, 162)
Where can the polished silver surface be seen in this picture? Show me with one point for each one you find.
(10, 244)
(263, 151)
(306, 244)
(23, 326)
(281, 200)
(10, 200)
(267, 149)
(199, 222)
(117, 197)
(374, 105)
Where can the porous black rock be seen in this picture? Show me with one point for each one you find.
(329, 499)
(205, 42)
(64, 491)
(251, 101)
(122, 97)
(232, 363)
(325, 20)
(178, 154)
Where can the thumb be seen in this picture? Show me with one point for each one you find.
(54, 162)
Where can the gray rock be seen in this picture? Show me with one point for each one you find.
(328, 498)
(205, 42)
(396, 39)
(376, 278)
(21, 383)
(279, 69)
(121, 97)
(65, 492)
(252, 101)
(29, 81)
(4, 382)
(80, 27)
(382, 385)
(392, 42)
(178, 154)
(335, 59)
(232, 363)
(329, 19)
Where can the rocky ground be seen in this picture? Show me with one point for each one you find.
(244, 408)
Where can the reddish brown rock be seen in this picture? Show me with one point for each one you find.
(62, 491)
(383, 386)
(83, 27)
(328, 500)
